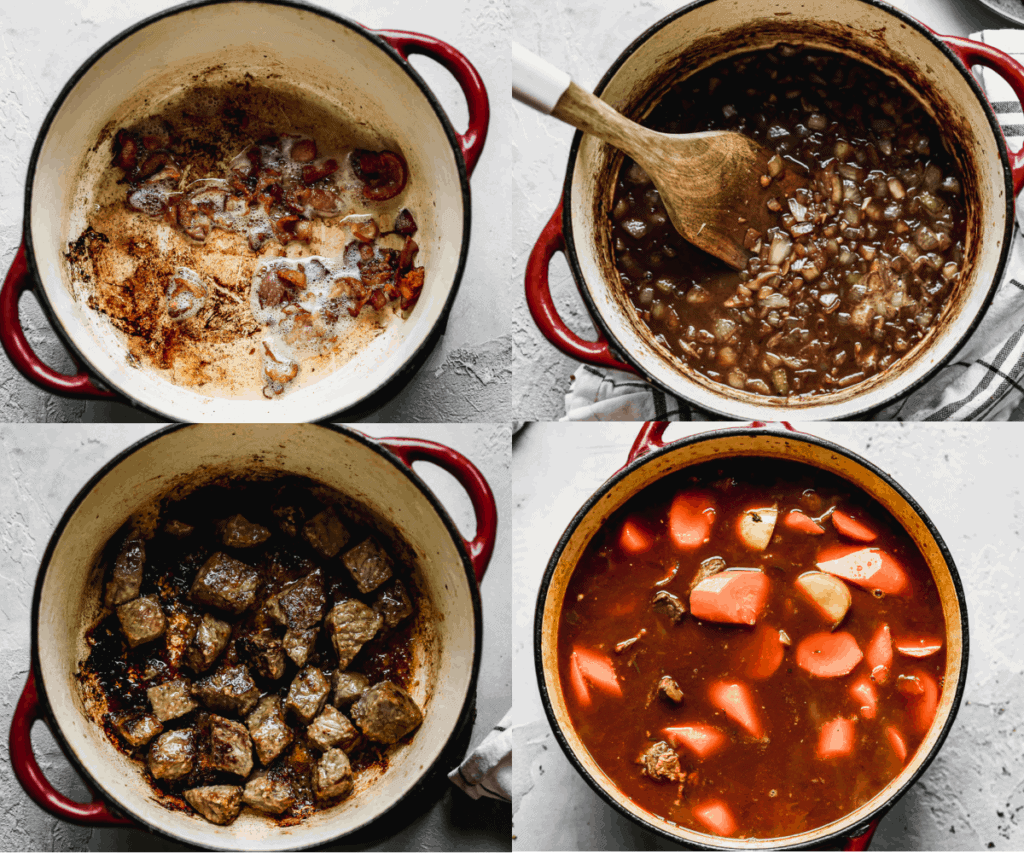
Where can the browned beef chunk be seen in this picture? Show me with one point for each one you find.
(225, 583)
(332, 777)
(669, 604)
(332, 729)
(217, 804)
(298, 644)
(393, 604)
(172, 754)
(307, 694)
(386, 713)
(326, 533)
(172, 699)
(350, 624)
(300, 604)
(237, 532)
(272, 796)
(661, 762)
(268, 730)
(142, 620)
(229, 691)
(137, 727)
(126, 576)
(265, 654)
(227, 747)
(178, 529)
(348, 687)
(211, 637)
(669, 689)
(368, 564)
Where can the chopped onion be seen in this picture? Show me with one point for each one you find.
(780, 249)
(776, 166)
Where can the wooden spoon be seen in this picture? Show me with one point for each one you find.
(710, 183)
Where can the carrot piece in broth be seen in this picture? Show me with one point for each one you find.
(863, 692)
(589, 669)
(852, 529)
(702, 740)
(716, 816)
(634, 539)
(879, 654)
(802, 523)
(836, 739)
(827, 655)
(918, 647)
(872, 569)
(764, 653)
(690, 519)
(733, 596)
(737, 701)
(897, 742)
(922, 707)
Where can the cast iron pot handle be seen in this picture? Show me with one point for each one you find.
(20, 352)
(977, 53)
(468, 475)
(862, 840)
(468, 78)
(542, 306)
(29, 774)
(650, 437)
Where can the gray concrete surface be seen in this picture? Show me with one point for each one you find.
(968, 481)
(583, 39)
(467, 376)
(43, 467)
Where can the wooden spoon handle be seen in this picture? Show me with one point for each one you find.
(588, 113)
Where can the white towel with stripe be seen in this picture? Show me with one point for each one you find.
(984, 381)
(487, 771)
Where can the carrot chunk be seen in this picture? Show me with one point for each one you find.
(763, 655)
(897, 742)
(836, 739)
(863, 692)
(922, 707)
(801, 522)
(733, 596)
(737, 701)
(716, 817)
(872, 569)
(756, 526)
(827, 655)
(690, 519)
(852, 529)
(879, 654)
(702, 740)
(589, 669)
(918, 647)
(634, 539)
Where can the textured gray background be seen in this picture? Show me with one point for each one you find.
(968, 481)
(43, 467)
(43, 42)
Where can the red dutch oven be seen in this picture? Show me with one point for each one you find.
(936, 67)
(651, 459)
(364, 72)
(375, 474)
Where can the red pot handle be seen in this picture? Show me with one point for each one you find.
(20, 352)
(861, 842)
(472, 141)
(26, 769)
(650, 437)
(542, 306)
(481, 547)
(977, 53)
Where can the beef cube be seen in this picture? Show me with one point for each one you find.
(393, 604)
(142, 620)
(126, 576)
(669, 689)
(229, 691)
(300, 604)
(349, 686)
(386, 713)
(332, 777)
(137, 727)
(266, 654)
(669, 604)
(237, 532)
(268, 730)
(326, 533)
(289, 518)
(210, 639)
(298, 644)
(661, 762)
(178, 529)
(307, 694)
(217, 804)
(267, 795)
(227, 747)
(332, 729)
(172, 754)
(225, 583)
(172, 699)
(368, 564)
(351, 624)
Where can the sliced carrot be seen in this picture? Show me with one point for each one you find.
(898, 742)
(690, 519)
(922, 708)
(579, 685)
(827, 655)
(836, 739)
(702, 740)
(863, 692)
(918, 647)
(733, 596)
(801, 522)
(852, 529)
(879, 654)
(716, 817)
(756, 526)
(589, 669)
(737, 701)
(634, 539)
(872, 569)
(763, 655)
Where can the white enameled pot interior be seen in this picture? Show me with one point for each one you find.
(444, 651)
(729, 446)
(339, 66)
(714, 30)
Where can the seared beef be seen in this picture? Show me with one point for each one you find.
(265, 654)
(172, 699)
(268, 730)
(229, 691)
(268, 795)
(298, 644)
(172, 755)
(326, 533)
(137, 727)
(332, 729)
(348, 687)
(237, 532)
(307, 694)
(669, 604)
(332, 777)
(142, 620)
(209, 641)
(386, 713)
(299, 605)
(661, 762)
(368, 564)
(669, 689)
(227, 747)
(178, 529)
(126, 575)
(350, 624)
(393, 604)
(225, 583)
(218, 804)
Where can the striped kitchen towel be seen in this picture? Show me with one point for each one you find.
(984, 381)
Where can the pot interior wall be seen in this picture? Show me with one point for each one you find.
(445, 651)
(285, 47)
(728, 447)
(713, 31)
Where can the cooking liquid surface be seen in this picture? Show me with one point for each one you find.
(776, 786)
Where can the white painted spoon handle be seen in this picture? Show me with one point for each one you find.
(535, 81)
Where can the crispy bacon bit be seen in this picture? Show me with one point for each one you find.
(314, 172)
(303, 230)
(278, 371)
(295, 278)
(383, 173)
(379, 269)
(319, 199)
(366, 231)
(193, 221)
(126, 151)
(154, 163)
(304, 151)
(409, 250)
(409, 287)
(404, 223)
